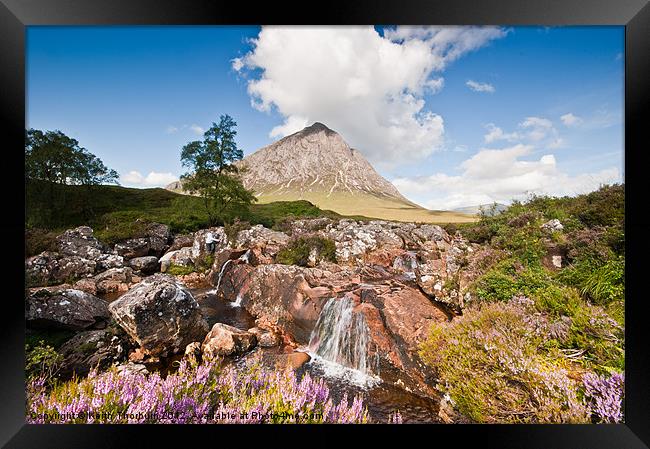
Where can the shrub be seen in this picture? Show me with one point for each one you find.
(492, 363)
(39, 240)
(204, 262)
(233, 229)
(42, 361)
(180, 270)
(298, 250)
(605, 395)
(204, 393)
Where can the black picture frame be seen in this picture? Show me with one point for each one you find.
(15, 15)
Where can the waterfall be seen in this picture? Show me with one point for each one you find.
(341, 336)
(223, 269)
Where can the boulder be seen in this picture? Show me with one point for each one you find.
(145, 264)
(199, 249)
(278, 295)
(50, 268)
(182, 241)
(92, 349)
(114, 280)
(223, 340)
(133, 248)
(265, 337)
(160, 314)
(79, 242)
(65, 309)
(159, 236)
(264, 243)
(108, 261)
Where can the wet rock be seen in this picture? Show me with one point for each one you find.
(65, 309)
(160, 314)
(265, 338)
(278, 295)
(224, 340)
(296, 360)
(146, 264)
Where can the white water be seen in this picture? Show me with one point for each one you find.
(339, 343)
(244, 258)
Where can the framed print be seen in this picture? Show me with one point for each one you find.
(418, 213)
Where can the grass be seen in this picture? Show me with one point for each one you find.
(298, 250)
(118, 213)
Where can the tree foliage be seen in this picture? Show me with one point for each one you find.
(53, 159)
(213, 174)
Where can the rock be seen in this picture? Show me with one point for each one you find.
(166, 260)
(192, 353)
(296, 359)
(65, 309)
(132, 368)
(278, 295)
(265, 338)
(159, 237)
(182, 241)
(50, 268)
(199, 249)
(133, 248)
(108, 261)
(92, 349)
(146, 264)
(308, 225)
(223, 340)
(552, 225)
(264, 242)
(115, 280)
(79, 242)
(160, 314)
(193, 280)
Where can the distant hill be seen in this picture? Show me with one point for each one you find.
(317, 165)
(475, 210)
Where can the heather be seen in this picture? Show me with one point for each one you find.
(541, 341)
(203, 393)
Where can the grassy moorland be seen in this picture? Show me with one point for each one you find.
(117, 213)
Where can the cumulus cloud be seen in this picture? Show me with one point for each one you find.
(501, 175)
(537, 130)
(367, 87)
(153, 179)
(480, 87)
(495, 133)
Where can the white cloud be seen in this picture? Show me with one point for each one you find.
(367, 87)
(153, 179)
(570, 119)
(480, 87)
(196, 129)
(171, 129)
(495, 133)
(500, 175)
(532, 130)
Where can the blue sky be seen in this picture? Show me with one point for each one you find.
(453, 117)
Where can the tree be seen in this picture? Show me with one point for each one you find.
(213, 174)
(53, 159)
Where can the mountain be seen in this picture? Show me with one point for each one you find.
(317, 165)
(475, 210)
